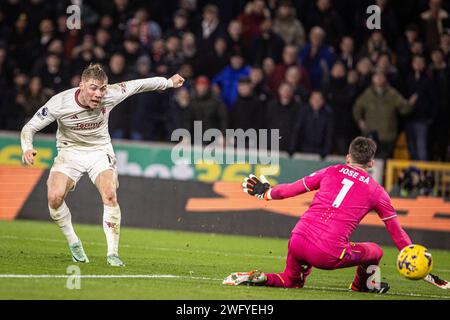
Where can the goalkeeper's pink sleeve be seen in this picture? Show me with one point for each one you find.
(398, 235)
(309, 183)
(387, 213)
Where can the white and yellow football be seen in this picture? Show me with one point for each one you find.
(414, 262)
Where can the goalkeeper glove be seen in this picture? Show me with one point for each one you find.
(255, 187)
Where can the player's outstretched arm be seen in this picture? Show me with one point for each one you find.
(120, 91)
(42, 118)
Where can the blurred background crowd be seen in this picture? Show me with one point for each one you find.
(310, 68)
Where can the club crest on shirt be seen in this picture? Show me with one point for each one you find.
(123, 87)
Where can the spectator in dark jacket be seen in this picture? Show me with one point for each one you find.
(247, 112)
(313, 130)
(281, 114)
(440, 129)
(267, 44)
(419, 120)
(205, 107)
(148, 110)
(347, 55)
(215, 61)
(209, 30)
(340, 96)
(325, 16)
(317, 58)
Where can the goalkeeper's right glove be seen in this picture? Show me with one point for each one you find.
(255, 187)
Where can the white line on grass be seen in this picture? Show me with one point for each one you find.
(170, 276)
(173, 249)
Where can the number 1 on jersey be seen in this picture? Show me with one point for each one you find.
(347, 184)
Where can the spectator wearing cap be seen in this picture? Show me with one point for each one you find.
(287, 26)
(317, 58)
(376, 112)
(248, 111)
(313, 130)
(440, 129)
(205, 107)
(281, 114)
(226, 82)
(418, 121)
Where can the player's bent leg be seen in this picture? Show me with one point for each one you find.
(58, 185)
(293, 276)
(366, 256)
(106, 183)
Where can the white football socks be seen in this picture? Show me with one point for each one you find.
(63, 219)
(111, 227)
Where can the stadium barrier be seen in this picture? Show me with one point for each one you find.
(217, 206)
(439, 172)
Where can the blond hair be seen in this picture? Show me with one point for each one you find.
(94, 71)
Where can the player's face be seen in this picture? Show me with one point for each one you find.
(93, 91)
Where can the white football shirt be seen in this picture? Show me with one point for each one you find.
(81, 127)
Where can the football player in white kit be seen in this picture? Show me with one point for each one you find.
(84, 145)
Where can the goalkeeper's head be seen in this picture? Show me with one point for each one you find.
(362, 152)
(93, 86)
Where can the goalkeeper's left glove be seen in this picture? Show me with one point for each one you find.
(255, 187)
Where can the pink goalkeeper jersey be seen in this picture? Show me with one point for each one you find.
(346, 194)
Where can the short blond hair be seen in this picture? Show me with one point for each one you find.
(94, 71)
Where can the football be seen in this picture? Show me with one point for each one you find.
(414, 262)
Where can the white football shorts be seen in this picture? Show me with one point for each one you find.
(74, 163)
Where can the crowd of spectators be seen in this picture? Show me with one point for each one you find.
(310, 68)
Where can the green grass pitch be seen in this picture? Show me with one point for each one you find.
(196, 262)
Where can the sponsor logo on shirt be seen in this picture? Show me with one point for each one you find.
(87, 126)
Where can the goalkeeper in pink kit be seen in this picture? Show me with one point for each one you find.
(320, 239)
